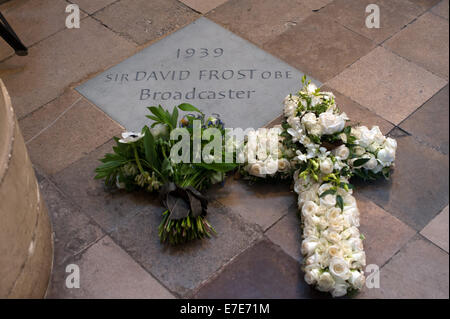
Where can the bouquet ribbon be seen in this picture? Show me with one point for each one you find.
(179, 201)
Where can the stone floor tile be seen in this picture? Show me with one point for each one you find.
(387, 84)
(34, 20)
(260, 20)
(429, 123)
(317, 4)
(79, 131)
(359, 115)
(437, 230)
(326, 47)
(259, 203)
(420, 270)
(143, 21)
(107, 207)
(90, 6)
(286, 233)
(262, 271)
(417, 191)
(183, 268)
(441, 9)
(106, 271)
(36, 121)
(73, 230)
(424, 42)
(384, 233)
(394, 15)
(424, 4)
(61, 60)
(203, 6)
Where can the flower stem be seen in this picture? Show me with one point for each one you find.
(138, 162)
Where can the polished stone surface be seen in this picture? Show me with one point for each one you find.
(262, 271)
(319, 46)
(417, 190)
(183, 268)
(107, 271)
(425, 42)
(434, 113)
(387, 84)
(437, 230)
(226, 75)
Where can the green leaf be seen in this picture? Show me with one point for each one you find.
(149, 148)
(340, 202)
(218, 167)
(360, 161)
(327, 192)
(174, 117)
(188, 108)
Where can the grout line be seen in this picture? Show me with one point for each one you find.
(431, 242)
(54, 121)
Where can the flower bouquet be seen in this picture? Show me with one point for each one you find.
(150, 160)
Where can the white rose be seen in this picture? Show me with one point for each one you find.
(328, 200)
(312, 276)
(333, 236)
(334, 251)
(386, 155)
(310, 231)
(356, 244)
(309, 246)
(373, 147)
(357, 279)
(336, 225)
(309, 119)
(378, 136)
(351, 215)
(391, 143)
(324, 187)
(312, 260)
(270, 166)
(339, 290)
(342, 152)
(309, 208)
(257, 170)
(349, 200)
(371, 163)
(325, 282)
(339, 268)
(316, 130)
(331, 123)
(290, 108)
(283, 165)
(326, 166)
(356, 132)
(294, 122)
(367, 136)
(358, 259)
(333, 213)
(358, 150)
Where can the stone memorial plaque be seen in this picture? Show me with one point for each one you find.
(202, 64)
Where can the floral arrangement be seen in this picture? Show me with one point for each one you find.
(323, 154)
(144, 161)
(313, 146)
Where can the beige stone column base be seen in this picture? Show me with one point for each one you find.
(26, 243)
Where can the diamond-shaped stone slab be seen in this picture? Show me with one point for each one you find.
(202, 64)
